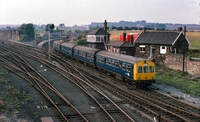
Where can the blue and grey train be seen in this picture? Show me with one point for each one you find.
(140, 71)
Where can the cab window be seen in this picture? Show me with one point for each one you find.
(123, 66)
(145, 69)
(139, 69)
(128, 68)
(151, 69)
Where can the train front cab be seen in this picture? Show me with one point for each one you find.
(144, 73)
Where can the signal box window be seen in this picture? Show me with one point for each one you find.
(123, 66)
(151, 69)
(139, 69)
(128, 68)
(145, 69)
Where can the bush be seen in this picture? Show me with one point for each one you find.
(81, 42)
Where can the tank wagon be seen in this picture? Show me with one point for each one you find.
(140, 71)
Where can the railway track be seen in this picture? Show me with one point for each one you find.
(153, 102)
(118, 110)
(158, 104)
(49, 92)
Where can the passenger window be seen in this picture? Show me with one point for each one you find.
(88, 56)
(145, 69)
(98, 59)
(151, 69)
(139, 69)
(117, 64)
(109, 62)
(91, 56)
(102, 59)
(123, 66)
(113, 63)
(76, 52)
(128, 68)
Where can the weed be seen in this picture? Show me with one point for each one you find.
(195, 80)
(1, 73)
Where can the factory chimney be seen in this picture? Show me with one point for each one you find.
(124, 36)
(105, 25)
(132, 39)
(144, 29)
(185, 30)
(179, 29)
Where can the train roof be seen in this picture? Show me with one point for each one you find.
(57, 42)
(86, 49)
(68, 44)
(120, 57)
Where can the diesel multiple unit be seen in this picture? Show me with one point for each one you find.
(140, 71)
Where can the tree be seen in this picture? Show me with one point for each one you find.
(26, 31)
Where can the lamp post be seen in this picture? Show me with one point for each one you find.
(51, 26)
(35, 36)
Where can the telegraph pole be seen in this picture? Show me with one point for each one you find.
(184, 48)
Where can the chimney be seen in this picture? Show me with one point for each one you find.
(185, 30)
(179, 29)
(105, 25)
(144, 29)
(132, 39)
(124, 36)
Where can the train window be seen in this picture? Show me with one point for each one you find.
(128, 68)
(113, 63)
(76, 51)
(102, 59)
(151, 69)
(84, 54)
(117, 64)
(139, 69)
(123, 66)
(88, 56)
(145, 69)
(91, 56)
(109, 62)
(98, 58)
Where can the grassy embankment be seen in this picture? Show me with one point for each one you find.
(181, 80)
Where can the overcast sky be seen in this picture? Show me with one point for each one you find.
(83, 12)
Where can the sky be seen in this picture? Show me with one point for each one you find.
(83, 12)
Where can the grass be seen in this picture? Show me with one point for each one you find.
(10, 98)
(179, 79)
